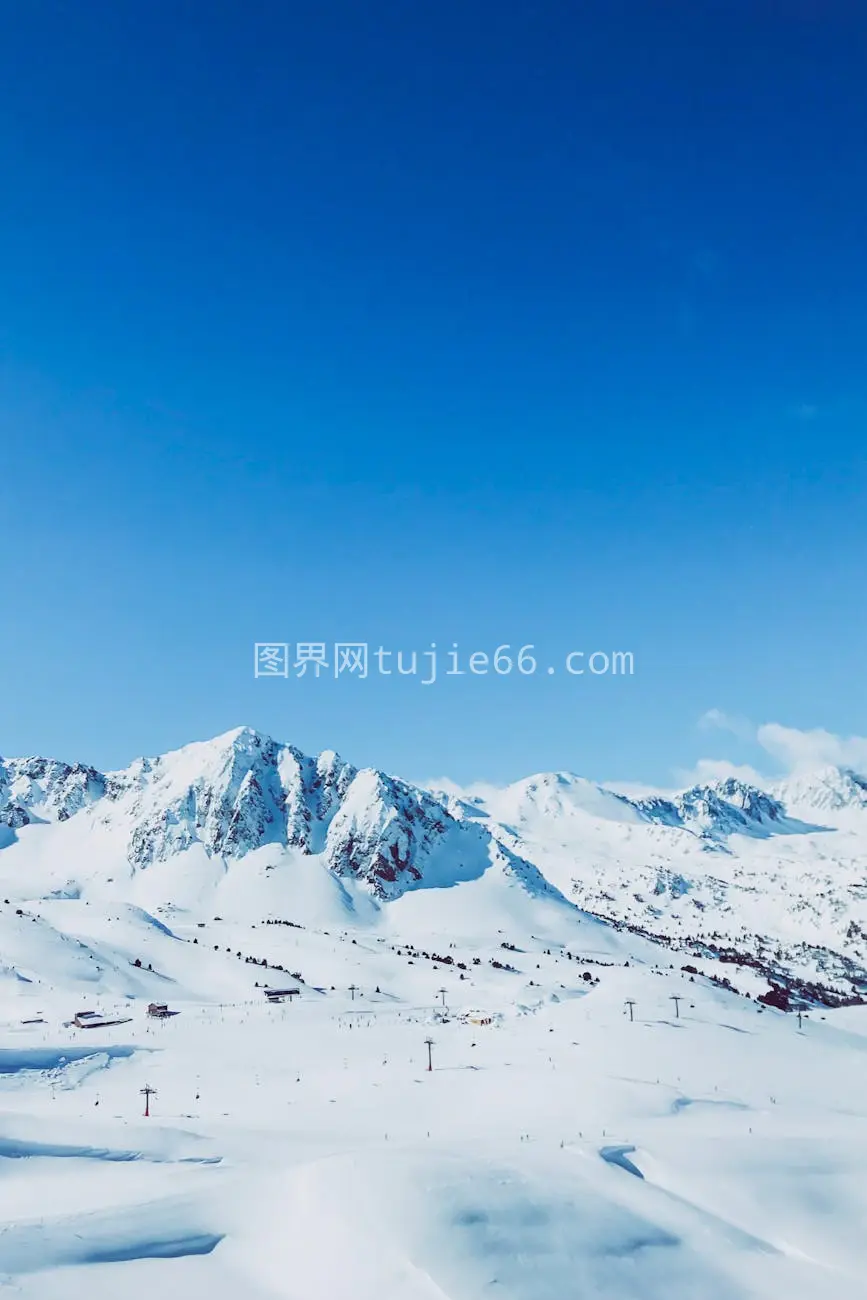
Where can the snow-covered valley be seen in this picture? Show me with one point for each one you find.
(611, 1111)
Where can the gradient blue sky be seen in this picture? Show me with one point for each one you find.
(405, 322)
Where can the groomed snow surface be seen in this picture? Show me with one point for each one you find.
(603, 1120)
(303, 1150)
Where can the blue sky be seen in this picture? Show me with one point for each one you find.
(539, 323)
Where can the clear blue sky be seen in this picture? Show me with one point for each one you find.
(404, 322)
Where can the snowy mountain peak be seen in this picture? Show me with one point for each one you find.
(45, 789)
(551, 795)
(778, 874)
(717, 810)
(243, 791)
(756, 804)
(384, 832)
(828, 789)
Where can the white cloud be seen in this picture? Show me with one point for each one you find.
(790, 748)
(811, 749)
(718, 720)
(639, 790)
(708, 770)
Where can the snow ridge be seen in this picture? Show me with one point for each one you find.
(778, 875)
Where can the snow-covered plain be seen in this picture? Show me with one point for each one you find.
(708, 1148)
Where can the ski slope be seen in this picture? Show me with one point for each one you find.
(603, 1118)
(304, 1149)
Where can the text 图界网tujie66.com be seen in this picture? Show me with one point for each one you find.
(314, 659)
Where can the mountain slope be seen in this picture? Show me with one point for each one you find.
(245, 825)
(777, 878)
(204, 810)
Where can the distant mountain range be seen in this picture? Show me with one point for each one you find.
(774, 879)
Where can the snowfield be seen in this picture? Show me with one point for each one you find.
(598, 1121)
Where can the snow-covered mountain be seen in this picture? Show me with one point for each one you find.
(716, 811)
(208, 807)
(42, 789)
(552, 1145)
(773, 879)
(830, 789)
(776, 878)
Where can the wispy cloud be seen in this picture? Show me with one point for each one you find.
(797, 749)
(708, 770)
(718, 720)
(790, 748)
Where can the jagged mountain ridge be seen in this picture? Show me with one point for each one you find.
(777, 876)
(723, 864)
(244, 791)
(711, 811)
(269, 784)
(829, 789)
(718, 810)
(44, 789)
